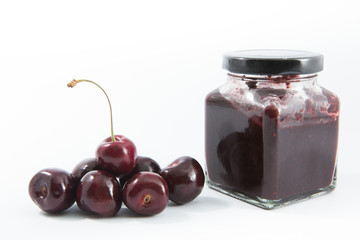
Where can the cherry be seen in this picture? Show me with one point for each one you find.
(146, 193)
(185, 179)
(53, 190)
(146, 164)
(99, 192)
(117, 157)
(115, 154)
(142, 164)
(84, 167)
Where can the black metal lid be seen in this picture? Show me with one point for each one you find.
(279, 62)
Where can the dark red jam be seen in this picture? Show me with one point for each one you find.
(271, 139)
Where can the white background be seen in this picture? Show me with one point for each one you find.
(157, 60)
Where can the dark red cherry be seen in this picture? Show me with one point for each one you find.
(146, 193)
(146, 164)
(185, 179)
(116, 154)
(53, 190)
(99, 192)
(142, 164)
(84, 167)
(117, 157)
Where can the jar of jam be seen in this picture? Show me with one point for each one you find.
(271, 130)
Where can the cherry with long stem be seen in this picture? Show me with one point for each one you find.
(117, 153)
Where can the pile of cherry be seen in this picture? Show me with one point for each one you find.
(117, 175)
(146, 190)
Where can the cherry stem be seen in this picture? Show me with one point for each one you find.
(73, 84)
(44, 191)
(147, 198)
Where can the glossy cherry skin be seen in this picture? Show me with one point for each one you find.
(185, 179)
(53, 190)
(117, 157)
(84, 167)
(99, 192)
(146, 193)
(142, 164)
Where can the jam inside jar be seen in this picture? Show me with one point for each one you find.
(271, 130)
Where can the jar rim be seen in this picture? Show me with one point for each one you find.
(274, 78)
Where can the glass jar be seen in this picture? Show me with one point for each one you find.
(271, 130)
